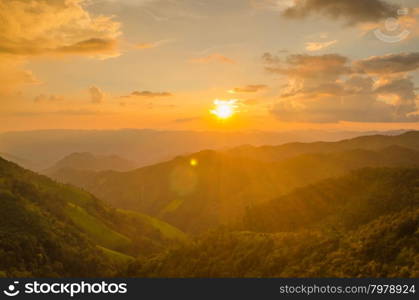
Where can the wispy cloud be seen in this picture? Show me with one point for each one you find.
(97, 96)
(151, 45)
(252, 88)
(47, 98)
(351, 11)
(148, 94)
(317, 46)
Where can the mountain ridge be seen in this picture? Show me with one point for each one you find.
(220, 186)
(147, 146)
(74, 233)
(303, 238)
(92, 162)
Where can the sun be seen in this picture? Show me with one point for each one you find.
(224, 109)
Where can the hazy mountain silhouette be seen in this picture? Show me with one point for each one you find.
(26, 163)
(145, 146)
(372, 142)
(91, 162)
(220, 187)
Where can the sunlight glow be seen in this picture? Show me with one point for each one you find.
(224, 109)
(193, 162)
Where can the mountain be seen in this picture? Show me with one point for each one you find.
(91, 162)
(49, 229)
(200, 191)
(371, 142)
(312, 215)
(339, 203)
(365, 224)
(26, 163)
(146, 146)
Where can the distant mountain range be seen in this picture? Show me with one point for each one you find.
(29, 164)
(370, 142)
(337, 209)
(90, 162)
(43, 148)
(219, 186)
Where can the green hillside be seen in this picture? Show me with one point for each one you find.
(219, 188)
(99, 232)
(339, 204)
(51, 229)
(166, 230)
(363, 225)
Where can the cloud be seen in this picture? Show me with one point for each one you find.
(54, 26)
(276, 5)
(148, 94)
(331, 88)
(92, 46)
(314, 67)
(216, 57)
(49, 28)
(97, 96)
(351, 11)
(47, 98)
(13, 75)
(389, 64)
(248, 89)
(151, 45)
(404, 91)
(317, 46)
(146, 45)
(272, 59)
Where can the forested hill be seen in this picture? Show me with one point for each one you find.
(363, 225)
(339, 204)
(408, 139)
(219, 187)
(49, 229)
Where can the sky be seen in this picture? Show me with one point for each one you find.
(289, 64)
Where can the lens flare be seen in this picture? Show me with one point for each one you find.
(193, 162)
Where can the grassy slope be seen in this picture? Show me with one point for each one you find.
(99, 232)
(116, 257)
(43, 211)
(168, 231)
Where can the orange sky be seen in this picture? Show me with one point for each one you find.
(160, 64)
